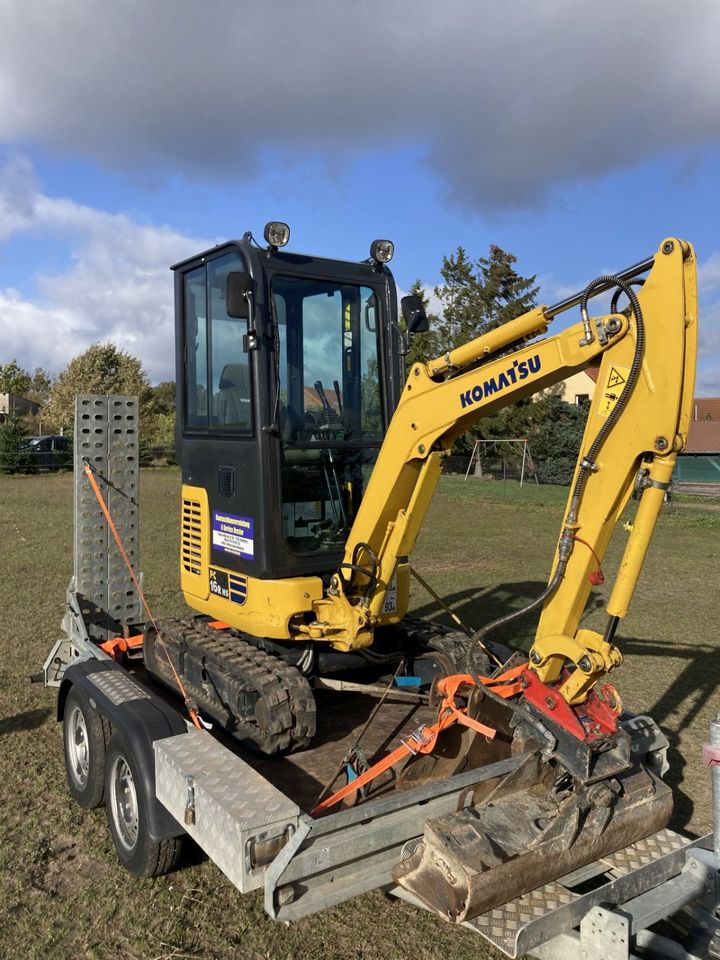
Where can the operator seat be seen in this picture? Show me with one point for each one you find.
(234, 404)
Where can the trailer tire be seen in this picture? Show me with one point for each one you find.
(85, 736)
(126, 803)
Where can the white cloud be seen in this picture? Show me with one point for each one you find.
(118, 287)
(709, 273)
(505, 101)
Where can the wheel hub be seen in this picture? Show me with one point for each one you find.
(78, 748)
(124, 803)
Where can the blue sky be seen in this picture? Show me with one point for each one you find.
(575, 136)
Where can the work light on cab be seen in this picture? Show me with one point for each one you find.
(276, 233)
(382, 250)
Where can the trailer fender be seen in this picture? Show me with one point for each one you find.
(140, 715)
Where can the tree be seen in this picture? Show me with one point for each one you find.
(552, 427)
(477, 297)
(40, 385)
(102, 369)
(13, 379)
(504, 294)
(12, 436)
(158, 424)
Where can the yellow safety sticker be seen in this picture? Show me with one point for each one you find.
(613, 389)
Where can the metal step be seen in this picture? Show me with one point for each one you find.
(238, 818)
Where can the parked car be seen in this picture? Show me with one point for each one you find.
(47, 453)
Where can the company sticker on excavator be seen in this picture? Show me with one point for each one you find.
(233, 534)
(617, 378)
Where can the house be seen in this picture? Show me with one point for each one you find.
(12, 405)
(706, 408)
(580, 387)
(699, 463)
(704, 437)
(577, 389)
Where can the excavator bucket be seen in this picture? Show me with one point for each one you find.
(538, 824)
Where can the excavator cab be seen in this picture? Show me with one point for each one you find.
(288, 370)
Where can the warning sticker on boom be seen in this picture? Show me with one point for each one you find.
(616, 381)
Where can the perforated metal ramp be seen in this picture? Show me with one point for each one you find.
(106, 437)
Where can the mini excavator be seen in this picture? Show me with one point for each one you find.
(308, 465)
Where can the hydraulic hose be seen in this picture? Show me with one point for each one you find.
(639, 282)
(588, 462)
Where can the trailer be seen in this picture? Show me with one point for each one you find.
(128, 743)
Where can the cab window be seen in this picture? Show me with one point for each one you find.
(217, 367)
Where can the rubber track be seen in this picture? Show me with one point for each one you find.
(281, 717)
(452, 644)
(426, 635)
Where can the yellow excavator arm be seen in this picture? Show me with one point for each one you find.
(636, 426)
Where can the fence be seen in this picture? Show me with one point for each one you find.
(694, 474)
(696, 468)
(40, 461)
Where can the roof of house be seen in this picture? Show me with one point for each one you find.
(593, 372)
(706, 408)
(704, 436)
(14, 402)
(313, 401)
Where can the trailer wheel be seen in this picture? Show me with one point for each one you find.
(126, 802)
(85, 735)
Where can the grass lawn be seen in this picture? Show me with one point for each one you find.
(485, 548)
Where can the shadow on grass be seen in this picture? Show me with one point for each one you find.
(678, 707)
(29, 720)
(478, 606)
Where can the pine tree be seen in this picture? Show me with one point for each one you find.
(478, 297)
(459, 295)
(504, 294)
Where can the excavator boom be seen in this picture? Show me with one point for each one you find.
(637, 424)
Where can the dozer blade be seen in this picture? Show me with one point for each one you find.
(537, 825)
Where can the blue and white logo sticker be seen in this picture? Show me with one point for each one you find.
(233, 534)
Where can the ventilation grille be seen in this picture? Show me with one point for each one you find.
(191, 536)
(226, 481)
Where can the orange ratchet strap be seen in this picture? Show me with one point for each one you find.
(103, 506)
(423, 739)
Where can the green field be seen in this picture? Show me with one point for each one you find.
(61, 891)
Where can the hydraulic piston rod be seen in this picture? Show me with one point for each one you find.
(574, 299)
